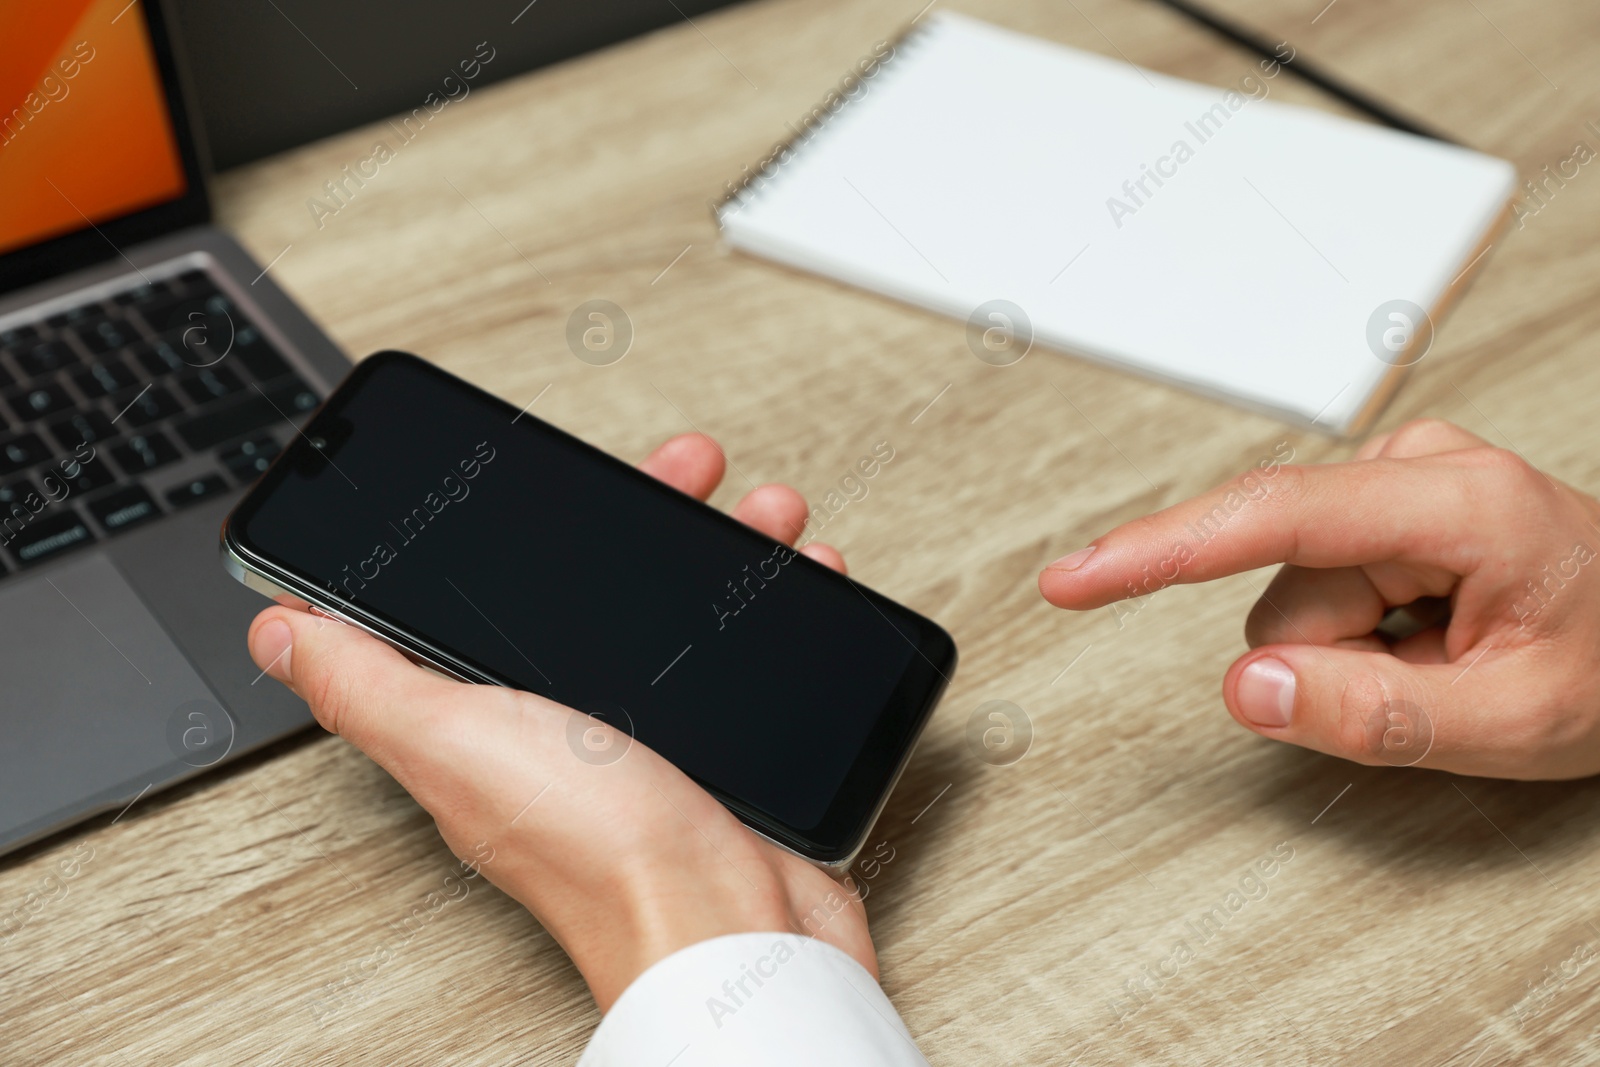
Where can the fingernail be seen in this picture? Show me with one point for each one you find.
(1266, 692)
(272, 649)
(1073, 561)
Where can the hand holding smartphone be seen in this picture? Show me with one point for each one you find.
(497, 549)
(624, 861)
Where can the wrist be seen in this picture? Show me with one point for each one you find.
(616, 927)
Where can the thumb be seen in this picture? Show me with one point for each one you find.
(357, 686)
(1364, 706)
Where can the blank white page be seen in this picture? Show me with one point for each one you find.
(979, 163)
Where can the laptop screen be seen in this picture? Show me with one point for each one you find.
(97, 154)
(85, 133)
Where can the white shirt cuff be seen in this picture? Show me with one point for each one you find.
(771, 999)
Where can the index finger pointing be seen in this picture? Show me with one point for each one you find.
(1340, 515)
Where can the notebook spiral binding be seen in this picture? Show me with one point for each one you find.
(883, 55)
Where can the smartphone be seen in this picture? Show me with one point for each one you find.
(497, 549)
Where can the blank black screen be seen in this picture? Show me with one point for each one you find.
(551, 566)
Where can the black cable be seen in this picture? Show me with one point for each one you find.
(1313, 75)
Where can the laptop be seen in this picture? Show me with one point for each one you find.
(149, 370)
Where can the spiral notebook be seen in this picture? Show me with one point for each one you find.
(1275, 256)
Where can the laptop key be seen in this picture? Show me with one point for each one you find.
(86, 477)
(160, 310)
(259, 357)
(106, 335)
(245, 412)
(46, 357)
(19, 494)
(141, 407)
(145, 452)
(39, 400)
(194, 492)
(66, 318)
(7, 379)
(160, 357)
(18, 336)
(20, 451)
(212, 383)
(86, 427)
(247, 461)
(201, 337)
(104, 378)
(49, 536)
(293, 397)
(124, 509)
(135, 295)
(225, 421)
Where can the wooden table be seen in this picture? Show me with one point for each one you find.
(1417, 910)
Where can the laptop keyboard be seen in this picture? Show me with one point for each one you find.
(178, 394)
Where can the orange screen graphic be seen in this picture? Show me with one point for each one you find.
(84, 128)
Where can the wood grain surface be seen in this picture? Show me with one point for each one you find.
(1418, 918)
